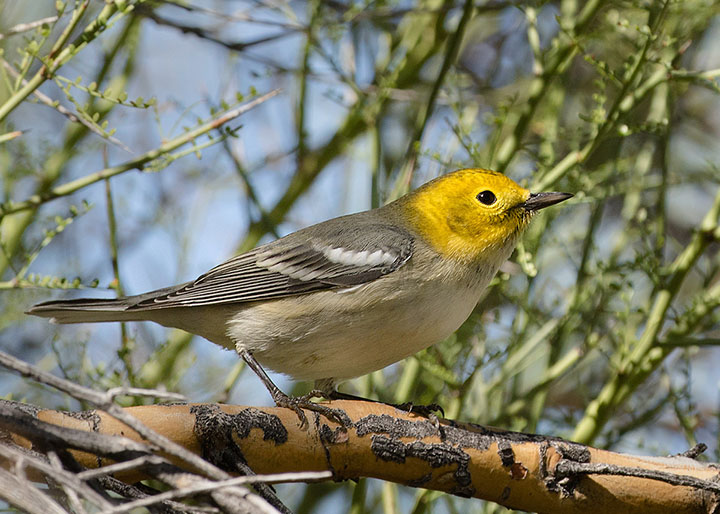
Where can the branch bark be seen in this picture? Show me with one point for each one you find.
(521, 471)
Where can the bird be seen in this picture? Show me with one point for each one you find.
(347, 296)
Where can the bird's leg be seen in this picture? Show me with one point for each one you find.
(297, 404)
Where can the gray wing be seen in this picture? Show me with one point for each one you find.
(296, 264)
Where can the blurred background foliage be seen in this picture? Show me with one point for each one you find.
(601, 328)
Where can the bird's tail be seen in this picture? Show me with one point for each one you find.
(91, 310)
(88, 310)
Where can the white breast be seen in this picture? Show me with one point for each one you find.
(341, 334)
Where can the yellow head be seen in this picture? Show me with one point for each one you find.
(473, 214)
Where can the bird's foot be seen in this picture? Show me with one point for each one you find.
(298, 403)
(427, 411)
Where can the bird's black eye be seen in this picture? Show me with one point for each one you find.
(486, 197)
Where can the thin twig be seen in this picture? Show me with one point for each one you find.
(25, 27)
(139, 462)
(104, 401)
(65, 111)
(237, 46)
(24, 496)
(53, 468)
(69, 491)
(568, 468)
(146, 393)
(205, 487)
(137, 163)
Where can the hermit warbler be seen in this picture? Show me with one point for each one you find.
(350, 295)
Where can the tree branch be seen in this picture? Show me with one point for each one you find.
(522, 471)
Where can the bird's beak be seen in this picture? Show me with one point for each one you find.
(539, 201)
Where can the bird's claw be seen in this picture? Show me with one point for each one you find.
(298, 403)
(427, 411)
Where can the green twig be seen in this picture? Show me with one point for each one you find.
(59, 55)
(558, 58)
(453, 46)
(138, 163)
(646, 355)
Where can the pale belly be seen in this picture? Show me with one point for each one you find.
(326, 336)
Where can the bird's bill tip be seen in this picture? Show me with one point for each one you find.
(539, 201)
